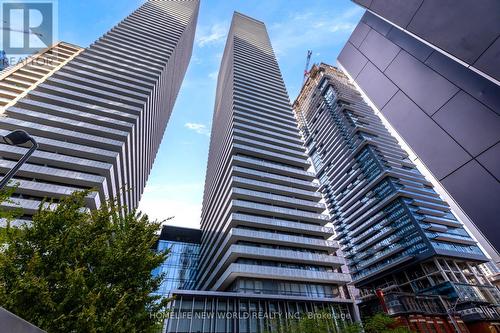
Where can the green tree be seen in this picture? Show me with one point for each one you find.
(322, 323)
(76, 270)
(319, 322)
(382, 323)
(6, 216)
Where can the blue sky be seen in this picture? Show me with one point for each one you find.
(175, 185)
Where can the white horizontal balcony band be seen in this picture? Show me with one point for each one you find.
(266, 154)
(268, 147)
(85, 107)
(81, 70)
(136, 85)
(101, 91)
(454, 239)
(263, 209)
(269, 139)
(277, 273)
(75, 114)
(278, 168)
(237, 234)
(251, 94)
(258, 185)
(71, 149)
(244, 251)
(281, 239)
(70, 124)
(16, 223)
(71, 74)
(257, 124)
(442, 220)
(28, 206)
(55, 160)
(56, 133)
(278, 179)
(250, 130)
(283, 225)
(258, 112)
(47, 191)
(253, 252)
(88, 98)
(54, 174)
(284, 201)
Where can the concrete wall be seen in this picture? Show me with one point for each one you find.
(448, 114)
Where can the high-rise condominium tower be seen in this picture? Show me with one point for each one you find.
(403, 244)
(265, 248)
(98, 114)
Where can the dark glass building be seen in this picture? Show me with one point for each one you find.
(432, 69)
(406, 251)
(181, 265)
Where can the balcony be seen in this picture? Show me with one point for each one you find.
(284, 225)
(278, 273)
(266, 209)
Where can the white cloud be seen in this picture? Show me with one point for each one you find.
(213, 75)
(198, 128)
(308, 30)
(213, 35)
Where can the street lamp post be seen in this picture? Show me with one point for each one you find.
(16, 138)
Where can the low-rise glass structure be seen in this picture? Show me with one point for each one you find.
(181, 265)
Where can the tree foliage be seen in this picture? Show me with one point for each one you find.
(319, 322)
(76, 270)
(6, 216)
(322, 323)
(382, 323)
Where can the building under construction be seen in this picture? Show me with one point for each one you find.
(406, 251)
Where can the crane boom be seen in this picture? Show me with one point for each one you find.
(308, 60)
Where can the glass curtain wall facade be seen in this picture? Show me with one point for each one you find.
(181, 266)
(98, 114)
(396, 233)
(265, 246)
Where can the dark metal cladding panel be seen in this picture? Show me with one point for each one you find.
(479, 87)
(490, 159)
(379, 49)
(411, 45)
(471, 124)
(376, 85)
(352, 60)
(423, 85)
(359, 34)
(376, 23)
(479, 194)
(463, 28)
(489, 61)
(439, 152)
(400, 12)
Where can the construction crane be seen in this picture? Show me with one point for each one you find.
(306, 70)
(21, 31)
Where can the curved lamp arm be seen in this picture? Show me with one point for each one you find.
(17, 138)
